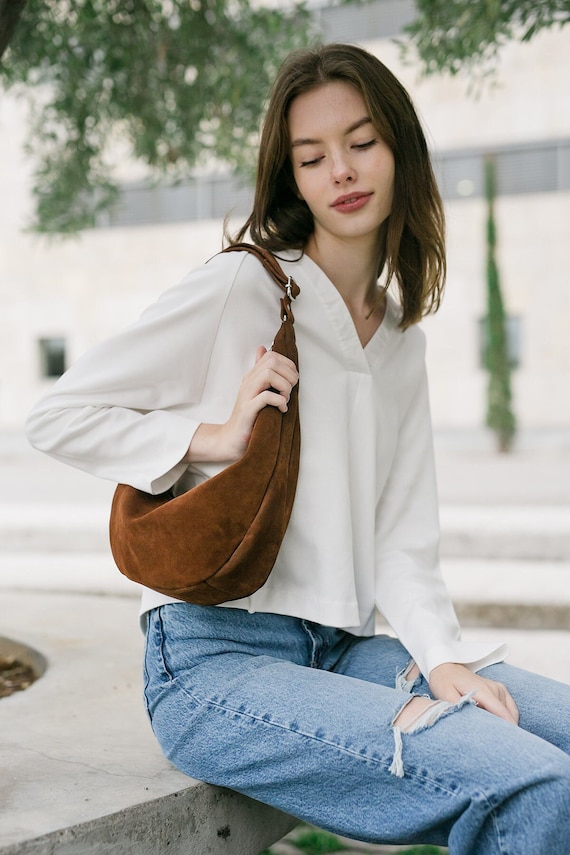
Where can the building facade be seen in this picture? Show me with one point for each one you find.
(58, 297)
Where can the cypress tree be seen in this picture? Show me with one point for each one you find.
(500, 416)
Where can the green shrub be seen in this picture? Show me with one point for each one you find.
(315, 842)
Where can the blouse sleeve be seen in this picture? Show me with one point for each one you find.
(117, 412)
(410, 591)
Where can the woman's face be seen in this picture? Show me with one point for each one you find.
(343, 168)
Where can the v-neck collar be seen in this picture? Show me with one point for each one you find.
(360, 357)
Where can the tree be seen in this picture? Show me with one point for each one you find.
(452, 36)
(10, 12)
(500, 417)
(178, 81)
(457, 35)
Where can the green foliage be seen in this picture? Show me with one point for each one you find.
(10, 11)
(453, 35)
(316, 842)
(500, 417)
(313, 841)
(423, 850)
(176, 81)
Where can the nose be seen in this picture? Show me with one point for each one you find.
(342, 171)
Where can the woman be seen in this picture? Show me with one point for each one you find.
(288, 696)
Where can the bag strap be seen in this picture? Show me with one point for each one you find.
(286, 283)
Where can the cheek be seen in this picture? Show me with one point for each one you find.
(304, 185)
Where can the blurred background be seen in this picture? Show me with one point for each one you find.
(59, 296)
(127, 134)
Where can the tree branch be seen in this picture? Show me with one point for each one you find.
(10, 13)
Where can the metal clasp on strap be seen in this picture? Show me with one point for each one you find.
(288, 289)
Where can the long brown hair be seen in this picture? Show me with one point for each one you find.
(412, 246)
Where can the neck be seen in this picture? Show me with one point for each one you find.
(351, 268)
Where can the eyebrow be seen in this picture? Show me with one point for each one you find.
(366, 120)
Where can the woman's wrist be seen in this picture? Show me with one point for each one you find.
(208, 445)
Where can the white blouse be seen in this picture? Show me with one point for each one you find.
(364, 530)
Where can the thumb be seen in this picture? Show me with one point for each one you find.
(261, 351)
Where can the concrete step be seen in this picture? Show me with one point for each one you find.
(540, 533)
(54, 527)
(518, 594)
(523, 594)
(500, 581)
(77, 572)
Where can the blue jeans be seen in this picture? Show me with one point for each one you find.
(300, 716)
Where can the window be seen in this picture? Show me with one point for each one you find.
(204, 198)
(52, 357)
(536, 167)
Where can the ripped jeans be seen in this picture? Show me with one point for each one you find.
(301, 716)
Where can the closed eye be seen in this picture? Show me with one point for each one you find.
(312, 162)
(359, 146)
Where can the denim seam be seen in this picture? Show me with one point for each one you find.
(314, 663)
(492, 816)
(161, 635)
(358, 755)
(495, 823)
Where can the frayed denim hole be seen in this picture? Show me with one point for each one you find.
(403, 684)
(422, 721)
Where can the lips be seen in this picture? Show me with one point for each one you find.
(351, 202)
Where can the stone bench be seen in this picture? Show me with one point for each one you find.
(81, 771)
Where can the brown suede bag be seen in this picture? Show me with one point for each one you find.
(219, 541)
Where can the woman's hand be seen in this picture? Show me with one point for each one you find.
(450, 682)
(269, 383)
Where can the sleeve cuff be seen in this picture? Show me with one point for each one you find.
(474, 655)
(178, 433)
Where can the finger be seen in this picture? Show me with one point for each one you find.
(273, 399)
(278, 383)
(512, 707)
(267, 380)
(272, 376)
(280, 363)
(506, 699)
(451, 695)
(489, 701)
(445, 691)
(263, 377)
